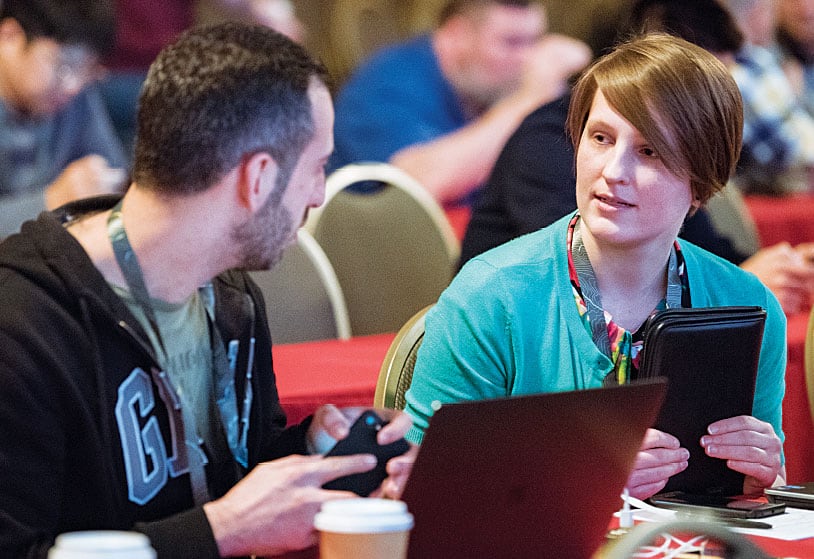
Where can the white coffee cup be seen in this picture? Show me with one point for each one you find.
(363, 529)
(102, 544)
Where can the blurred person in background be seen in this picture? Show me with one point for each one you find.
(441, 106)
(276, 14)
(795, 35)
(144, 27)
(56, 140)
(532, 184)
(778, 128)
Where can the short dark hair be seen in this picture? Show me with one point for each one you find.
(455, 7)
(70, 22)
(216, 95)
(705, 23)
(679, 96)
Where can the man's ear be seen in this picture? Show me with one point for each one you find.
(256, 179)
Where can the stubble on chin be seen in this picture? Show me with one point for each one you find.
(263, 240)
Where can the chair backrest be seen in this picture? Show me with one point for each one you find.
(393, 249)
(304, 300)
(731, 218)
(809, 355)
(396, 373)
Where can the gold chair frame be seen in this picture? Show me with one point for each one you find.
(396, 373)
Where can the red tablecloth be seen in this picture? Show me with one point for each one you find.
(458, 217)
(797, 423)
(788, 218)
(341, 372)
(781, 548)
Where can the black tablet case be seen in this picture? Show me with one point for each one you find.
(710, 358)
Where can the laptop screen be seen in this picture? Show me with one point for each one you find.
(528, 476)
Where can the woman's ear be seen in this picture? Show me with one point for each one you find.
(695, 205)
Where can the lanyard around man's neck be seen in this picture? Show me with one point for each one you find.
(195, 458)
(131, 270)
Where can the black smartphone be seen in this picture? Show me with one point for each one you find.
(729, 507)
(362, 440)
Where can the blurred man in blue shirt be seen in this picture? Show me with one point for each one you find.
(441, 106)
(56, 141)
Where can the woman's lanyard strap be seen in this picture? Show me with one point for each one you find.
(593, 298)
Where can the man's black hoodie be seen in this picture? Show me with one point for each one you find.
(86, 437)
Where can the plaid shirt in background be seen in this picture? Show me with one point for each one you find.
(778, 132)
(808, 75)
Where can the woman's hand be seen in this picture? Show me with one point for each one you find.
(660, 457)
(788, 272)
(398, 472)
(749, 446)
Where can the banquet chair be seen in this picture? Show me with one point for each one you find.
(392, 248)
(731, 218)
(809, 357)
(303, 298)
(396, 373)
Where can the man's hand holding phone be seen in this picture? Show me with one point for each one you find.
(364, 431)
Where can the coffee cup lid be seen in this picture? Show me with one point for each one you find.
(133, 545)
(356, 516)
